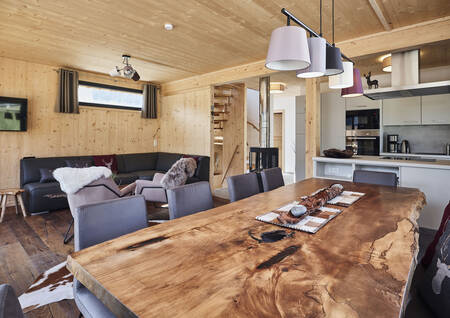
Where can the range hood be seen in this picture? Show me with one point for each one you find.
(405, 80)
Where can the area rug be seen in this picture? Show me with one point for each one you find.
(50, 287)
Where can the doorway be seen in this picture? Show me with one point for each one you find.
(278, 136)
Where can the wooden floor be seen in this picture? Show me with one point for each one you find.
(30, 246)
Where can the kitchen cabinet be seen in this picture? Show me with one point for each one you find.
(436, 109)
(332, 121)
(361, 102)
(402, 111)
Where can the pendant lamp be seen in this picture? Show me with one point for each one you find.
(357, 89)
(288, 49)
(334, 58)
(344, 79)
(317, 52)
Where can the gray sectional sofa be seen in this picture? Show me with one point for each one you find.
(47, 196)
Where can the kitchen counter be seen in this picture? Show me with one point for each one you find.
(378, 161)
(432, 178)
(412, 155)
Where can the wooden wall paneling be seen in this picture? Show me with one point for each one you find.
(312, 142)
(185, 122)
(93, 131)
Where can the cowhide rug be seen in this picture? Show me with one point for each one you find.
(50, 287)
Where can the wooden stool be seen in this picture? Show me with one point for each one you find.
(17, 193)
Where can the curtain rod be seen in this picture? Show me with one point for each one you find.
(292, 17)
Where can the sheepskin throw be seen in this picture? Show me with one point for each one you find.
(73, 179)
(179, 173)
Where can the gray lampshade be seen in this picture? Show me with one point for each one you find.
(334, 61)
(288, 49)
(317, 53)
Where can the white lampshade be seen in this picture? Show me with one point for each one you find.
(344, 79)
(317, 53)
(288, 49)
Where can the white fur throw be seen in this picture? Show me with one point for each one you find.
(73, 179)
(179, 173)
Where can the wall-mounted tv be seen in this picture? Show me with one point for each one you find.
(13, 114)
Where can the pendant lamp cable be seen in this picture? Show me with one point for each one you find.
(332, 21)
(320, 18)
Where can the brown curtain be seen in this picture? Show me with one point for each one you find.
(68, 92)
(149, 109)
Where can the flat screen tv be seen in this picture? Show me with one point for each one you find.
(13, 114)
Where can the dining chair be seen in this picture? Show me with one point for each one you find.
(243, 186)
(9, 303)
(375, 177)
(189, 199)
(101, 189)
(272, 179)
(434, 288)
(99, 222)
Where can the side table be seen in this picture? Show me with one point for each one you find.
(17, 193)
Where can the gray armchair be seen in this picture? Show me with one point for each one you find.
(153, 191)
(9, 304)
(99, 222)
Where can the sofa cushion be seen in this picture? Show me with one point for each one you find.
(202, 171)
(137, 162)
(80, 163)
(147, 174)
(125, 178)
(29, 167)
(166, 160)
(46, 175)
(108, 161)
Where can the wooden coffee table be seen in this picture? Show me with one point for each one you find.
(17, 193)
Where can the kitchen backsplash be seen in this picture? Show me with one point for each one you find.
(422, 139)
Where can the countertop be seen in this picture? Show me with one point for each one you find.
(377, 161)
(421, 155)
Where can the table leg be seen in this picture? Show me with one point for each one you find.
(3, 207)
(24, 212)
(16, 204)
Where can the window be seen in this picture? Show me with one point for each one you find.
(100, 95)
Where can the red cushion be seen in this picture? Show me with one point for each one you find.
(426, 260)
(109, 161)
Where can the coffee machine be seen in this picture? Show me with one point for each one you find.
(392, 143)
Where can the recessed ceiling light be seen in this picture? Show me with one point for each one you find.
(168, 26)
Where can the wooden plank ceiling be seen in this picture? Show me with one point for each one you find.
(208, 34)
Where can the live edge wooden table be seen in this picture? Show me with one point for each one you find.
(207, 265)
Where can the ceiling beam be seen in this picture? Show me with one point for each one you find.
(386, 41)
(380, 15)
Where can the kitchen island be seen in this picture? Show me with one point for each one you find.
(431, 177)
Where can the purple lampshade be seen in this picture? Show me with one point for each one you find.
(288, 49)
(356, 89)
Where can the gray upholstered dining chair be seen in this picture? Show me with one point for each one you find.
(243, 186)
(272, 178)
(99, 222)
(189, 199)
(9, 303)
(375, 177)
(101, 189)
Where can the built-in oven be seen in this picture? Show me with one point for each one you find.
(362, 119)
(363, 142)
